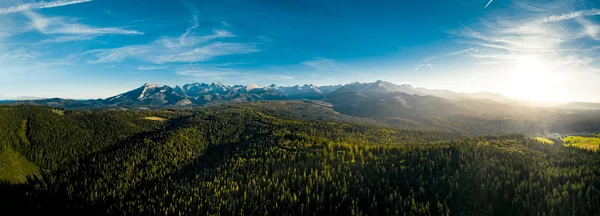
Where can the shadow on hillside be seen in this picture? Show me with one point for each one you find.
(22, 198)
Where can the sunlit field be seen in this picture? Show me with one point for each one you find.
(544, 140)
(590, 143)
(155, 119)
(15, 168)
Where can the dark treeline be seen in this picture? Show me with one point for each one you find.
(271, 159)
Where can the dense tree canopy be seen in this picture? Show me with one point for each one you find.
(284, 159)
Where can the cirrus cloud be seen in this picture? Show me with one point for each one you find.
(39, 5)
(567, 16)
(189, 47)
(60, 25)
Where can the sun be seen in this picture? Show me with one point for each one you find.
(534, 78)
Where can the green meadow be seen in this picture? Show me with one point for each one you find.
(544, 140)
(15, 168)
(590, 143)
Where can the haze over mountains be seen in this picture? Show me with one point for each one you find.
(203, 93)
(353, 98)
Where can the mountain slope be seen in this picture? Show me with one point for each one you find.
(62, 103)
(148, 94)
(198, 94)
(15, 168)
(387, 87)
(307, 91)
(581, 106)
(203, 93)
(392, 104)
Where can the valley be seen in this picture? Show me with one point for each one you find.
(402, 106)
(300, 108)
(283, 157)
(357, 149)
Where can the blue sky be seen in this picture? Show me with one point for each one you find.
(538, 50)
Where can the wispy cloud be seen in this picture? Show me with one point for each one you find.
(118, 54)
(39, 5)
(572, 15)
(285, 77)
(186, 40)
(451, 54)
(68, 38)
(517, 36)
(427, 61)
(60, 25)
(207, 73)
(226, 24)
(531, 7)
(150, 68)
(418, 67)
(184, 37)
(19, 55)
(207, 52)
(25, 62)
(322, 65)
(589, 28)
(508, 40)
(160, 53)
(575, 60)
(187, 48)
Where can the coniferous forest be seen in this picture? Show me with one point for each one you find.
(277, 158)
(300, 107)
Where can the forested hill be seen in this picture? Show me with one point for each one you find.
(281, 159)
(401, 106)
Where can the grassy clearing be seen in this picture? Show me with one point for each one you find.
(544, 140)
(15, 168)
(155, 119)
(590, 143)
(23, 132)
(58, 112)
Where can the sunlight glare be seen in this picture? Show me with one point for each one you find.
(534, 78)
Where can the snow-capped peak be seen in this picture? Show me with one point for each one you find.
(146, 87)
(150, 85)
(216, 83)
(252, 86)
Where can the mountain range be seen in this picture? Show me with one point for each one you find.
(203, 93)
(195, 94)
(397, 105)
